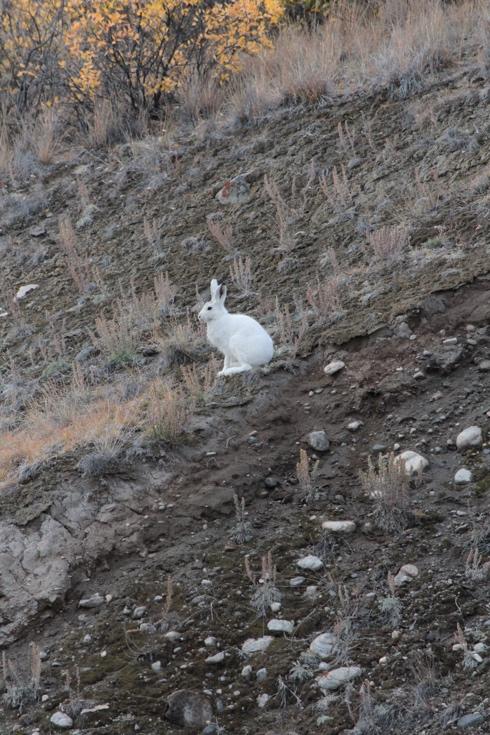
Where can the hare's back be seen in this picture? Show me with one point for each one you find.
(246, 325)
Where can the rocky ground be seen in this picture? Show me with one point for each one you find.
(146, 597)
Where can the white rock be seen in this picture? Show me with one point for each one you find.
(296, 581)
(463, 476)
(470, 437)
(406, 574)
(262, 700)
(338, 677)
(414, 462)
(323, 645)
(172, 635)
(138, 612)
(339, 526)
(275, 606)
(318, 441)
(311, 592)
(480, 647)
(334, 367)
(156, 666)
(210, 641)
(218, 658)
(261, 674)
(280, 626)
(24, 290)
(246, 671)
(87, 638)
(256, 645)
(354, 425)
(310, 562)
(90, 602)
(61, 720)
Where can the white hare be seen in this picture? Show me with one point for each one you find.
(242, 340)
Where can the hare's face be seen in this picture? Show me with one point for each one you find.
(211, 311)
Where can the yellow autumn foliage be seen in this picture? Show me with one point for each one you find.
(132, 50)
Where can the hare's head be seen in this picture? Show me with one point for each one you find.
(215, 308)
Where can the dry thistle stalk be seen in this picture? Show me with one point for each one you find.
(305, 477)
(283, 215)
(389, 244)
(324, 298)
(78, 266)
(242, 531)
(474, 568)
(337, 189)
(387, 483)
(222, 233)
(266, 591)
(241, 275)
(290, 330)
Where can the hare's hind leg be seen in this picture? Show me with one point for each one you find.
(235, 370)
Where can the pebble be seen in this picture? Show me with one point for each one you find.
(338, 677)
(218, 658)
(261, 674)
(61, 720)
(471, 720)
(235, 191)
(24, 290)
(87, 638)
(354, 425)
(280, 626)
(311, 592)
(407, 573)
(339, 526)
(296, 581)
(262, 700)
(318, 441)
(156, 666)
(334, 367)
(323, 645)
(275, 606)
(310, 562)
(463, 476)
(256, 645)
(90, 602)
(246, 671)
(138, 612)
(470, 437)
(414, 463)
(188, 709)
(210, 641)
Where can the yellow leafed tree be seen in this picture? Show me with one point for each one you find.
(132, 50)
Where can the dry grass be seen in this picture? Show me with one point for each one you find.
(395, 47)
(241, 275)
(291, 328)
(167, 410)
(387, 483)
(389, 244)
(337, 189)
(198, 380)
(46, 136)
(324, 297)
(221, 232)
(78, 265)
(283, 215)
(116, 337)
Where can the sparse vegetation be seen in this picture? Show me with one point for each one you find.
(266, 591)
(386, 483)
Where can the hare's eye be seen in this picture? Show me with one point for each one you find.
(209, 308)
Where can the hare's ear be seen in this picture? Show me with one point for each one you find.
(214, 289)
(222, 293)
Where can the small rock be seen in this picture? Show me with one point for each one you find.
(323, 645)
(318, 441)
(211, 729)
(262, 700)
(471, 720)
(470, 437)
(261, 674)
(403, 331)
(338, 677)
(61, 720)
(235, 191)
(339, 526)
(188, 709)
(24, 290)
(310, 562)
(275, 607)
(271, 482)
(138, 612)
(210, 641)
(37, 231)
(415, 463)
(406, 574)
(334, 367)
(354, 425)
(280, 626)
(156, 666)
(296, 581)
(484, 366)
(90, 602)
(463, 476)
(218, 658)
(246, 671)
(256, 645)
(87, 638)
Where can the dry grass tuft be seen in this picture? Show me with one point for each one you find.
(167, 410)
(241, 275)
(221, 232)
(324, 297)
(389, 244)
(78, 265)
(387, 483)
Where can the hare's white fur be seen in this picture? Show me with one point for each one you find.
(243, 341)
